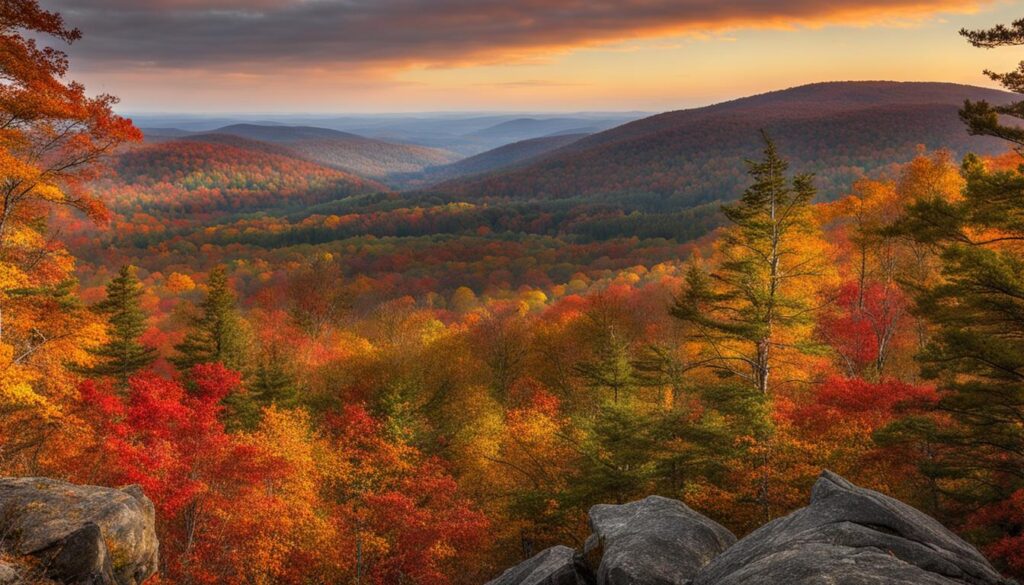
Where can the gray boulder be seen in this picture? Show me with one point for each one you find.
(553, 566)
(851, 536)
(79, 534)
(654, 541)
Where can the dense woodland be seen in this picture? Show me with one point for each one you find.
(317, 380)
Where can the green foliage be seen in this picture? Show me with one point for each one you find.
(738, 311)
(611, 368)
(216, 333)
(123, 354)
(272, 384)
(981, 117)
(978, 311)
(621, 454)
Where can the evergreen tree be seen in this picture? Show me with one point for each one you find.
(981, 117)
(977, 309)
(757, 304)
(610, 369)
(621, 450)
(123, 354)
(216, 333)
(273, 384)
(270, 385)
(760, 287)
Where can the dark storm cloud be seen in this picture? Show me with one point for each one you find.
(254, 33)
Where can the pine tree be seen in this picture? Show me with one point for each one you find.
(757, 304)
(982, 118)
(123, 354)
(759, 290)
(622, 448)
(216, 333)
(977, 310)
(271, 385)
(611, 368)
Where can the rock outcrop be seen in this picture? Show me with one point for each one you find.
(77, 534)
(655, 540)
(553, 566)
(848, 535)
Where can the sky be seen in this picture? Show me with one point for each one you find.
(366, 56)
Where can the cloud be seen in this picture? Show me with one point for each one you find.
(252, 34)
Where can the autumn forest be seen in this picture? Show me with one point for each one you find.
(334, 359)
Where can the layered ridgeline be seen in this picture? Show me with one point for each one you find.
(839, 130)
(503, 157)
(366, 157)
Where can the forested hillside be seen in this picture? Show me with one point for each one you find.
(503, 157)
(317, 380)
(366, 157)
(225, 173)
(840, 131)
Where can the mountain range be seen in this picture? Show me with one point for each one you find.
(664, 164)
(840, 130)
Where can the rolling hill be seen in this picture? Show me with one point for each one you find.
(363, 156)
(678, 160)
(502, 157)
(465, 133)
(220, 173)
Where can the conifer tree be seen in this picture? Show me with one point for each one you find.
(611, 368)
(981, 117)
(123, 354)
(270, 385)
(758, 302)
(976, 309)
(759, 290)
(974, 351)
(216, 333)
(273, 384)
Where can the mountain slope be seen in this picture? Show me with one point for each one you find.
(341, 150)
(681, 159)
(528, 128)
(217, 173)
(499, 158)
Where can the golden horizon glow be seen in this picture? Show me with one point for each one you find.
(640, 66)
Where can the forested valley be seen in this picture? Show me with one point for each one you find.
(319, 379)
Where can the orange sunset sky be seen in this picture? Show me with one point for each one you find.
(283, 56)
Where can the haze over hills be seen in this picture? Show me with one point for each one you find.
(363, 156)
(464, 133)
(344, 151)
(502, 157)
(528, 128)
(842, 130)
